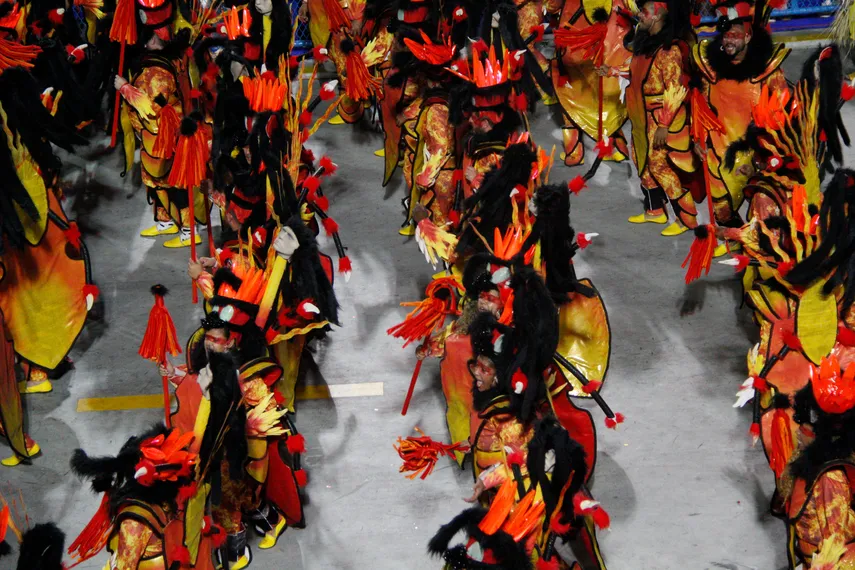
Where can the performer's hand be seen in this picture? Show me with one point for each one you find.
(356, 27)
(303, 12)
(603, 70)
(699, 150)
(208, 262)
(194, 269)
(746, 170)
(477, 489)
(119, 82)
(470, 173)
(660, 137)
(168, 370)
(421, 352)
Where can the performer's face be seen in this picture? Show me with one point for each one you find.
(217, 340)
(735, 40)
(651, 18)
(490, 302)
(484, 372)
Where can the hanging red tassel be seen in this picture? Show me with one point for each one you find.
(699, 259)
(592, 386)
(613, 422)
(420, 454)
(327, 91)
(305, 118)
(93, 538)
(344, 265)
(190, 165)
(167, 133)
(124, 27)
(558, 527)
(320, 54)
(516, 458)
(330, 226)
(359, 83)
(601, 519)
(335, 15)
(311, 184)
(160, 336)
(754, 430)
(91, 289)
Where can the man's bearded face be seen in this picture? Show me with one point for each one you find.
(735, 40)
(649, 15)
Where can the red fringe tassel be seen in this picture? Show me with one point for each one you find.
(420, 454)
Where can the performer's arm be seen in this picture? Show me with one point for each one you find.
(671, 65)
(439, 145)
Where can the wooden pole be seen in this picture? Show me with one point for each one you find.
(192, 237)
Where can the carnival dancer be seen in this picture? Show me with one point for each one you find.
(46, 288)
(151, 117)
(657, 104)
(147, 490)
(735, 67)
(586, 73)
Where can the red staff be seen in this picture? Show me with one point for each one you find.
(124, 31)
(159, 340)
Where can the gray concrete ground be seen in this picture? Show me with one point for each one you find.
(680, 479)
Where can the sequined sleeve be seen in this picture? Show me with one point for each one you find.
(670, 64)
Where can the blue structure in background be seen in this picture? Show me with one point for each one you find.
(815, 13)
(303, 41)
(796, 9)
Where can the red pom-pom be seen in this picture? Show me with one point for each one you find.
(845, 335)
(847, 91)
(538, 32)
(519, 382)
(186, 492)
(330, 226)
(459, 14)
(301, 477)
(327, 92)
(791, 340)
(605, 148)
(328, 165)
(179, 553)
(760, 384)
(268, 76)
(72, 234)
(306, 309)
(55, 16)
(548, 564)
(822, 136)
(601, 518)
(519, 102)
(516, 458)
(577, 184)
(480, 45)
(305, 118)
(583, 240)
(754, 430)
(695, 19)
(320, 54)
(344, 265)
(612, 423)
(558, 527)
(311, 184)
(293, 62)
(785, 267)
(777, 4)
(218, 536)
(195, 94)
(296, 444)
(278, 397)
(742, 261)
(90, 289)
(454, 217)
(322, 202)
(304, 135)
(592, 386)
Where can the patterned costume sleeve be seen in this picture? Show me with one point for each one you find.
(439, 144)
(133, 539)
(206, 285)
(138, 100)
(670, 63)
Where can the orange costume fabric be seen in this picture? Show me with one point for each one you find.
(733, 102)
(652, 103)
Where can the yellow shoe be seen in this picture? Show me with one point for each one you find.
(16, 459)
(409, 230)
(271, 536)
(240, 563)
(154, 231)
(337, 120)
(720, 249)
(674, 229)
(616, 156)
(381, 153)
(42, 387)
(644, 217)
(177, 242)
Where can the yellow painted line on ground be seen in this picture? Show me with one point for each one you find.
(154, 401)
